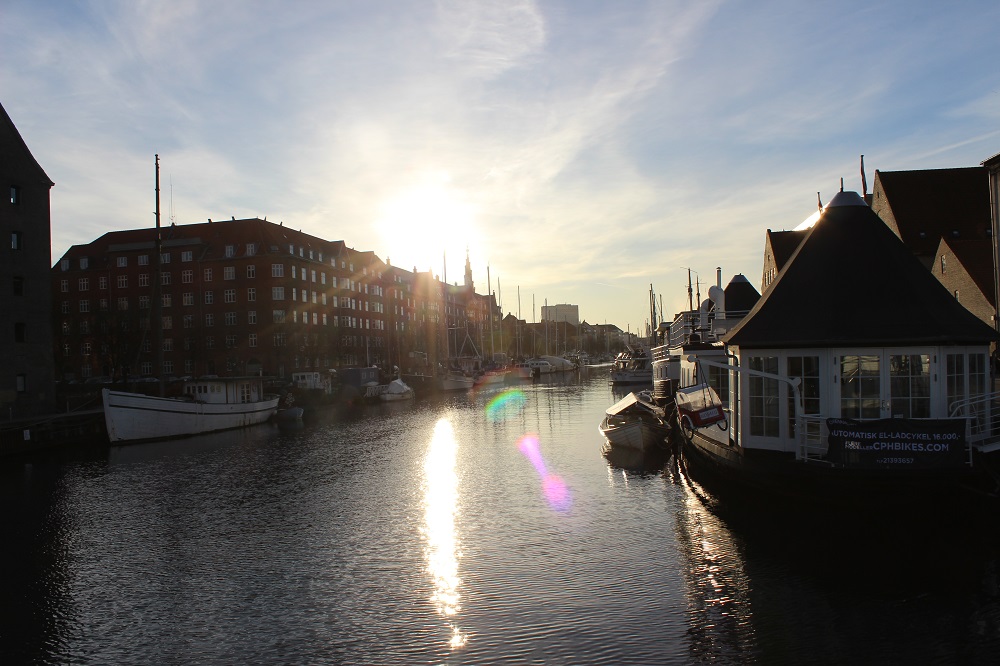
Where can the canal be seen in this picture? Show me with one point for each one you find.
(479, 528)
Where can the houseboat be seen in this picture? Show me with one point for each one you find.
(207, 405)
(632, 366)
(856, 376)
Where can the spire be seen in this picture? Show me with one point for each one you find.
(468, 269)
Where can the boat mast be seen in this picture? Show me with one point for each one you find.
(157, 304)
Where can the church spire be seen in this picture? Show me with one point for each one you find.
(468, 270)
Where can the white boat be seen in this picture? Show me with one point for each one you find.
(492, 378)
(533, 367)
(559, 364)
(455, 381)
(206, 406)
(635, 423)
(396, 390)
(632, 366)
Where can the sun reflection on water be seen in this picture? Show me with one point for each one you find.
(440, 501)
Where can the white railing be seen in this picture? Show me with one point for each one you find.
(983, 418)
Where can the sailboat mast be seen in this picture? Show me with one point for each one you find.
(157, 322)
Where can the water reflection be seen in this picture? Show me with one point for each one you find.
(440, 488)
(553, 487)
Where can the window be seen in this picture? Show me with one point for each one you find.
(22, 379)
(251, 316)
(166, 300)
(209, 342)
(210, 320)
(279, 316)
(15, 195)
(303, 273)
(186, 256)
(165, 258)
(860, 387)
(102, 305)
(230, 250)
(187, 298)
(229, 295)
(122, 304)
(188, 321)
(187, 276)
(64, 265)
(209, 297)
(144, 302)
(143, 279)
(806, 369)
(122, 262)
(146, 368)
(83, 284)
(763, 397)
(144, 260)
(168, 367)
(208, 275)
(313, 275)
(164, 278)
(251, 249)
(251, 294)
(102, 282)
(229, 273)
(944, 264)
(277, 270)
(251, 271)
(84, 263)
(230, 319)
(168, 344)
(910, 386)
(64, 286)
(122, 281)
(84, 306)
(277, 293)
(252, 340)
(15, 241)
(230, 341)
(167, 322)
(279, 339)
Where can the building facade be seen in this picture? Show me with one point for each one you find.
(245, 297)
(26, 383)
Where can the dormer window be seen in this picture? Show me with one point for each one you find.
(15, 195)
(944, 264)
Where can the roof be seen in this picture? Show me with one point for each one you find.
(853, 283)
(934, 203)
(740, 294)
(11, 143)
(783, 244)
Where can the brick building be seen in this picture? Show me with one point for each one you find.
(26, 383)
(243, 297)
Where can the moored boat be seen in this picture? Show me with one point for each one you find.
(207, 405)
(632, 366)
(635, 423)
(397, 390)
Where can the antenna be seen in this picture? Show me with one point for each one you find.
(173, 219)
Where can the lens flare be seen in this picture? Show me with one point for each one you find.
(553, 487)
(505, 405)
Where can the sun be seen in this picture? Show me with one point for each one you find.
(422, 223)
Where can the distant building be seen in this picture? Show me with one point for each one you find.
(26, 382)
(561, 313)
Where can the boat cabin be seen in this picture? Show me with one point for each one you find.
(225, 390)
(855, 354)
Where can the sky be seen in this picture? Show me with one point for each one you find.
(586, 152)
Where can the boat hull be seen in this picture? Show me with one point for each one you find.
(778, 476)
(456, 383)
(135, 417)
(638, 435)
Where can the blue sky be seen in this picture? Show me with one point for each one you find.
(583, 150)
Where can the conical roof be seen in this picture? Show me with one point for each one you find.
(852, 283)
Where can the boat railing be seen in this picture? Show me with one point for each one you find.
(982, 414)
(812, 437)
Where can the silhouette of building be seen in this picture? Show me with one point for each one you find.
(26, 383)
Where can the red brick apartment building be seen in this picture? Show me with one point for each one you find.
(242, 297)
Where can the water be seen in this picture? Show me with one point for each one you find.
(462, 531)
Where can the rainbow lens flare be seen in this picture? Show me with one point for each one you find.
(553, 487)
(505, 405)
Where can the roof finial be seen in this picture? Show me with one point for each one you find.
(819, 202)
(864, 183)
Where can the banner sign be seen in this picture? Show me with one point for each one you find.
(897, 443)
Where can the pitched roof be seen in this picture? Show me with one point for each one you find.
(740, 294)
(934, 203)
(784, 243)
(11, 144)
(853, 283)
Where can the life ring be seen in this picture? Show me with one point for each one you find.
(687, 426)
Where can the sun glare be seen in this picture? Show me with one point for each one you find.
(420, 224)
